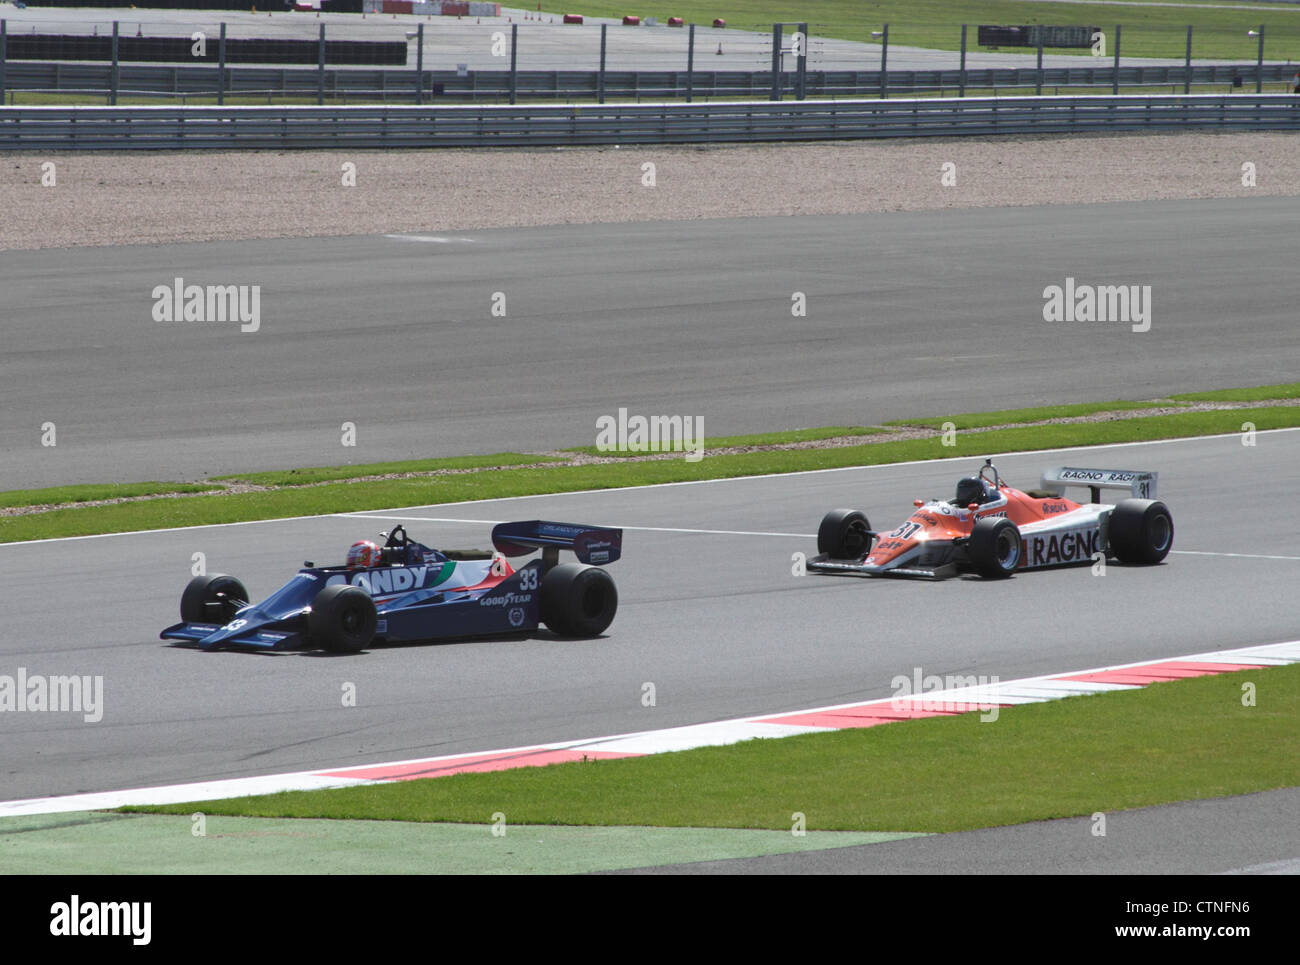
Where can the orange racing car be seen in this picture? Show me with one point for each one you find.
(993, 529)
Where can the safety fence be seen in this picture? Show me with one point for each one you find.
(407, 126)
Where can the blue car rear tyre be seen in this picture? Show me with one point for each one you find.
(578, 600)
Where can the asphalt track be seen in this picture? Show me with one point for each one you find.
(710, 614)
(908, 314)
(1253, 834)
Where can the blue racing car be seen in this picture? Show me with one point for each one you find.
(406, 591)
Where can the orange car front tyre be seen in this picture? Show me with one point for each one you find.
(844, 534)
(995, 548)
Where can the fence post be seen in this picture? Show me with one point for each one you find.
(1187, 75)
(884, 61)
(776, 62)
(514, 73)
(1038, 77)
(1259, 63)
(3, 41)
(801, 64)
(419, 64)
(320, 68)
(961, 84)
(115, 77)
(600, 79)
(1114, 81)
(221, 65)
(690, 66)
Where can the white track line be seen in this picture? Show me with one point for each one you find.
(691, 482)
(1244, 556)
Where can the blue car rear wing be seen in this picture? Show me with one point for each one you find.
(591, 544)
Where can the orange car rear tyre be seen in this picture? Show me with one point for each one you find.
(1141, 531)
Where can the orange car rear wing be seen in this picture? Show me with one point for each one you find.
(1139, 484)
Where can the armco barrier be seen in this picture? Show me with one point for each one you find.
(226, 128)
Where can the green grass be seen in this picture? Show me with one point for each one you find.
(91, 492)
(341, 497)
(1287, 390)
(979, 420)
(1147, 31)
(757, 439)
(306, 477)
(1187, 740)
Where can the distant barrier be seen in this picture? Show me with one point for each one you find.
(496, 85)
(510, 61)
(238, 50)
(378, 126)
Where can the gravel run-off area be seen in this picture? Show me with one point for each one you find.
(150, 198)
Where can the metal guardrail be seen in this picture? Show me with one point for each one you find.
(382, 126)
(401, 85)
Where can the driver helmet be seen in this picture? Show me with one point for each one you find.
(363, 554)
(971, 489)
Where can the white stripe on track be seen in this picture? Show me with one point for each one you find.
(1244, 556)
(690, 482)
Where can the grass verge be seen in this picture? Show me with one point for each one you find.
(94, 492)
(319, 474)
(1287, 390)
(981, 420)
(293, 498)
(1184, 740)
(758, 439)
